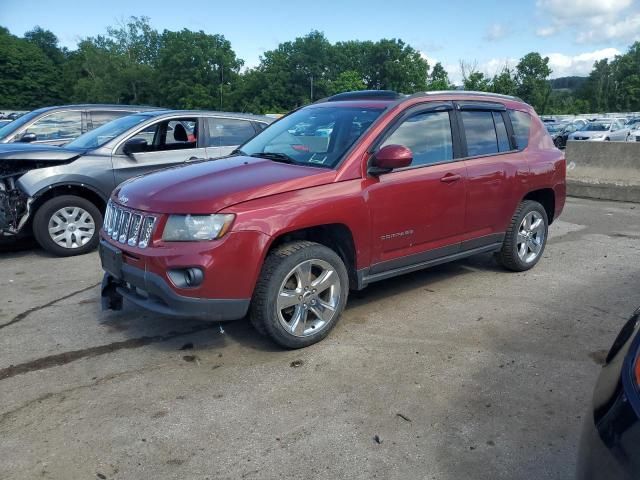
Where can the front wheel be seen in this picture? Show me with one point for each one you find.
(301, 292)
(526, 237)
(67, 225)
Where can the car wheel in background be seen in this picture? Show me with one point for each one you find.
(67, 225)
(300, 294)
(526, 237)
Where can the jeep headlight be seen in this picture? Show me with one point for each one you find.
(194, 228)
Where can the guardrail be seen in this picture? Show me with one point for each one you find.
(604, 170)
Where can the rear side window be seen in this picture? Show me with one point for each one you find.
(480, 132)
(65, 125)
(229, 132)
(521, 122)
(100, 118)
(427, 135)
(501, 130)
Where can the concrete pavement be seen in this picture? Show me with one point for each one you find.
(461, 371)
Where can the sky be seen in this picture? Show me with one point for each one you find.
(490, 33)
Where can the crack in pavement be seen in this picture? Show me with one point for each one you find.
(26, 313)
(112, 376)
(68, 357)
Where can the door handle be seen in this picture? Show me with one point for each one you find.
(450, 178)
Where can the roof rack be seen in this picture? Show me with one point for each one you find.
(471, 93)
(366, 95)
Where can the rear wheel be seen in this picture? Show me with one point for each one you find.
(67, 225)
(301, 292)
(526, 237)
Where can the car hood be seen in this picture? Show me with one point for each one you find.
(37, 153)
(208, 187)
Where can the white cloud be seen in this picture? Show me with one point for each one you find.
(581, 64)
(496, 31)
(592, 21)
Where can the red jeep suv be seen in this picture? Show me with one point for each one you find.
(356, 188)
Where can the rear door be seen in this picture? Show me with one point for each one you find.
(496, 169)
(225, 134)
(417, 213)
(170, 142)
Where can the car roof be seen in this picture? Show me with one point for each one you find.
(98, 106)
(387, 98)
(243, 116)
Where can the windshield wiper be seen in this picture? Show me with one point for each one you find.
(276, 157)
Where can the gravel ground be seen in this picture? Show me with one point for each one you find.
(461, 371)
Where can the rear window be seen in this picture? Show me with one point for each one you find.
(521, 123)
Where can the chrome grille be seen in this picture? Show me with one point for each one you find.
(127, 226)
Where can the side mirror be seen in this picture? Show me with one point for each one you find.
(389, 158)
(135, 145)
(28, 138)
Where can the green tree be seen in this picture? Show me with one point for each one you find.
(347, 81)
(47, 42)
(196, 70)
(29, 78)
(532, 73)
(504, 82)
(439, 78)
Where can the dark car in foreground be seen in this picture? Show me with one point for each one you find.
(610, 444)
(358, 188)
(60, 125)
(59, 193)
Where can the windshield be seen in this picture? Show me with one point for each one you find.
(553, 128)
(634, 123)
(101, 135)
(598, 127)
(18, 123)
(316, 136)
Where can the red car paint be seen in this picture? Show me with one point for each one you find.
(440, 206)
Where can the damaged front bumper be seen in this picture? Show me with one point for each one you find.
(15, 205)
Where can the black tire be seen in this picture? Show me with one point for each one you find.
(279, 263)
(49, 208)
(508, 256)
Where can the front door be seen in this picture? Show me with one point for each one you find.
(417, 213)
(169, 142)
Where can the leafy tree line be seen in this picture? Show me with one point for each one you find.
(135, 64)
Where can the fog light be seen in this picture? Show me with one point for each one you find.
(193, 277)
(186, 277)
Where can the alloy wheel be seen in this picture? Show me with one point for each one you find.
(531, 235)
(308, 298)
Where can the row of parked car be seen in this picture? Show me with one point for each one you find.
(596, 130)
(354, 189)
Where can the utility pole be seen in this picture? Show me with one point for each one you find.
(221, 83)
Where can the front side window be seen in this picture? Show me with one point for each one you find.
(57, 126)
(521, 123)
(427, 135)
(228, 132)
(480, 133)
(317, 135)
(174, 134)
